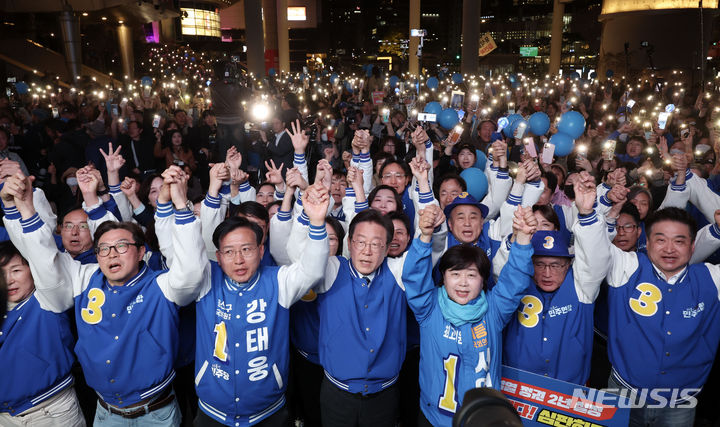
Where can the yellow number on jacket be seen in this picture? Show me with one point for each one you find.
(220, 342)
(92, 314)
(646, 304)
(528, 316)
(448, 400)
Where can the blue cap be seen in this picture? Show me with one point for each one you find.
(466, 199)
(550, 243)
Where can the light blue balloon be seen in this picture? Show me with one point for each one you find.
(574, 75)
(433, 107)
(21, 88)
(394, 81)
(448, 118)
(457, 78)
(510, 129)
(432, 83)
(539, 123)
(481, 160)
(572, 123)
(477, 183)
(564, 144)
(146, 81)
(349, 87)
(368, 71)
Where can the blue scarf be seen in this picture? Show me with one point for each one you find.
(458, 314)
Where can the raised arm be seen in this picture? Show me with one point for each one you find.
(189, 269)
(212, 210)
(58, 278)
(296, 279)
(114, 161)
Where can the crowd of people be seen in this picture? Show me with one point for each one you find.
(323, 253)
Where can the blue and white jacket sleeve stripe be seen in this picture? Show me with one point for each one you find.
(317, 232)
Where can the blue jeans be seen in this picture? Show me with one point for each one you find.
(656, 417)
(166, 416)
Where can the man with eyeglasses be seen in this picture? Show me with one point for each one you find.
(126, 314)
(553, 330)
(76, 237)
(362, 337)
(242, 349)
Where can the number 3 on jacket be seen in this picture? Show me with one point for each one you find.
(646, 304)
(528, 316)
(92, 314)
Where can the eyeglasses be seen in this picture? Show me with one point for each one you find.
(68, 226)
(627, 228)
(393, 175)
(245, 252)
(554, 266)
(120, 248)
(374, 246)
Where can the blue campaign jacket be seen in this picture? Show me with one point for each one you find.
(451, 356)
(363, 333)
(551, 334)
(35, 355)
(241, 379)
(127, 337)
(662, 335)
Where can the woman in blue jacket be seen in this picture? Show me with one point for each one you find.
(460, 323)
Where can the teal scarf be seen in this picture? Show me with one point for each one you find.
(458, 314)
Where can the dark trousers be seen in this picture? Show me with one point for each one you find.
(410, 388)
(184, 387)
(599, 363)
(340, 408)
(304, 389)
(278, 419)
(422, 420)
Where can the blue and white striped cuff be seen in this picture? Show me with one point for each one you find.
(428, 144)
(299, 159)
(503, 174)
(11, 212)
(589, 219)
(514, 200)
(361, 206)
(212, 202)
(425, 197)
(97, 212)
(675, 187)
(165, 210)
(688, 174)
(362, 158)
(605, 201)
(298, 199)
(605, 186)
(534, 183)
(317, 232)
(184, 216)
(114, 189)
(303, 219)
(225, 189)
(349, 192)
(279, 195)
(715, 231)
(31, 224)
(283, 216)
(245, 186)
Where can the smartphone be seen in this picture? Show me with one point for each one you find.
(474, 100)
(648, 134)
(609, 149)
(529, 144)
(520, 130)
(385, 115)
(461, 114)
(114, 109)
(511, 108)
(582, 151)
(630, 103)
(662, 120)
(684, 133)
(156, 121)
(621, 118)
(548, 153)
(427, 117)
(55, 113)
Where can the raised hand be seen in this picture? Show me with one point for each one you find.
(129, 187)
(420, 168)
(524, 225)
(274, 174)
(499, 150)
(174, 180)
(419, 136)
(218, 173)
(9, 167)
(316, 200)
(679, 163)
(428, 221)
(298, 137)
(324, 173)
(233, 159)
(87, 183)
(585, 193)
(532, 171)
(113, 160)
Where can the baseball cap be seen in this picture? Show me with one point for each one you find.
(551, 243)
(466, 199)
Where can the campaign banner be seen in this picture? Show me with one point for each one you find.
(544, 401)
(487, 44)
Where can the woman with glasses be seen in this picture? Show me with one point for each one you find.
(552, 332)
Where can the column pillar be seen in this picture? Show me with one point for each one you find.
(470, 37)
(283, 35)
(125, 44)
(413, 60)
(557, 36)
(254, 37)
(70, 27)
